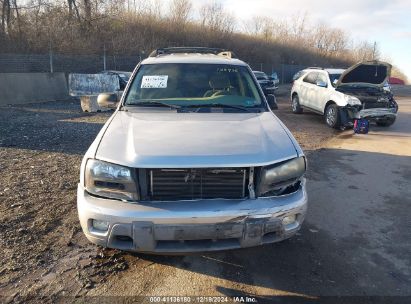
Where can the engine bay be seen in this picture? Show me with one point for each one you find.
(377, 104)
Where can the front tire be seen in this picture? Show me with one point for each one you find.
(295, 104)
(332, 116)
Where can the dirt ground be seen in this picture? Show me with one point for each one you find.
(44, 253)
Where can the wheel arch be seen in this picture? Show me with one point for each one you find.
(329, 103)
(293, 93)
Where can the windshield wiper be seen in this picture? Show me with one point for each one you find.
(218, 105)
(153, 103)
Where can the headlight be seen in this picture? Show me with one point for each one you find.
(278, 177)
(109, 180)
(351, 100)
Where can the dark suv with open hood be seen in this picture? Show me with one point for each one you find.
(266, 82)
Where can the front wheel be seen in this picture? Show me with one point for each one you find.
(295, 104)
(272, 102)
(332, 116)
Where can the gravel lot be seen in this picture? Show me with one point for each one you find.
(41, 146)
(44, 253)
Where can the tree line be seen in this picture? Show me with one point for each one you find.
(135, 27)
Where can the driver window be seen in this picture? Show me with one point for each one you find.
(323, 78)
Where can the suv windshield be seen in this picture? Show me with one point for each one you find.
(334, 78)
(260, 75)
(185, 84)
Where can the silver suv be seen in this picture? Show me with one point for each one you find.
(191, 160)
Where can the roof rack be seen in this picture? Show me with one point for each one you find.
(315, 68)
(198, 50)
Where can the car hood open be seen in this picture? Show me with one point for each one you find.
(190, 140)
(374, 73)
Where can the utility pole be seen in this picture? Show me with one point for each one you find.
(374, 50)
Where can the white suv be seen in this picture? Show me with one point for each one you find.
(344, 95)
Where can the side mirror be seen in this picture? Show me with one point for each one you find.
(107, 100)
(272, 102)
(321, 83)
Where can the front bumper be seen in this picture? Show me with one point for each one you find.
(269, 90)
(191, 226)
(349, 113)
(378, 113)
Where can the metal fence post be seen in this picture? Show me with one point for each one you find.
(51, 60)
(104, 59)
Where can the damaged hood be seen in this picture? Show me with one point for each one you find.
(190, 140)
(374, 73)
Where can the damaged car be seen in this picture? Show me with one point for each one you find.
(345, 95)
(267, 83)
(192, 160)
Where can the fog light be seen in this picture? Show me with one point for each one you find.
(100, 225)
(290, 219)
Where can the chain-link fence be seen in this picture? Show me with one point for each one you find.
(285, 72)
(50, 63)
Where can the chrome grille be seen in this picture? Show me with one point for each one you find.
(189, 184)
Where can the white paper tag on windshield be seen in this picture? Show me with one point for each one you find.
(154, 82)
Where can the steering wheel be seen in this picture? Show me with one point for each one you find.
(219, 93)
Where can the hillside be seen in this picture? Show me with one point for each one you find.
(86, 27)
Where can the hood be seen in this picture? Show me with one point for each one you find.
(190, 140)
(374, 73)
(265, 83)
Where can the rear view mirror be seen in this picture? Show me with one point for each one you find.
(107, 100)
(321, 83)
(272, 102)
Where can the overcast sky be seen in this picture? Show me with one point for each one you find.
(388, 22)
